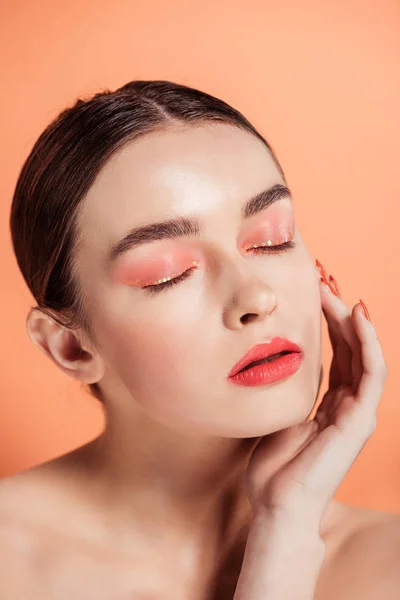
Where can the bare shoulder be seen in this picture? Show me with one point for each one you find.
(21, 543)
(34, 509)
(39, 550)
(365, 564)
(43, 491)
(29, 493)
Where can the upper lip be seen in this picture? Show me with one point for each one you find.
(263, 350)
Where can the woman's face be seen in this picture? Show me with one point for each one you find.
(172, 347)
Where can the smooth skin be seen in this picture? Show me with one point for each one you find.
(293, 474)
(154, 505)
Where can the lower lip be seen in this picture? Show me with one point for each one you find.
(270, 372)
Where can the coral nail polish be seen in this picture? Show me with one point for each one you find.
(334, 284)
(328, 280)
(323, 273)
(332, 289)
(365, 310)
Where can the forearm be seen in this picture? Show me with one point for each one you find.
(282, 560)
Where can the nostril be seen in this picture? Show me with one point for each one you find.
(247, 317)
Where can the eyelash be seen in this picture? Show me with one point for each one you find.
(154, 289)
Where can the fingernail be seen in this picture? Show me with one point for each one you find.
(322, 272)
(331, 288)
(328, 280)
(334, 284)
(365, 310)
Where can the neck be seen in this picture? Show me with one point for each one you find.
(142, 472)
(139, 471)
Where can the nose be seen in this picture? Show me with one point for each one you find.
(252, 299)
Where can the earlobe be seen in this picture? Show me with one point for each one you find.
(64, 347)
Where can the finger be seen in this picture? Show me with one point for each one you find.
(374, 366)
(338, 316)
(335, 375)
(335, 370)
(340, 371)
(341, 366)
(341, 326)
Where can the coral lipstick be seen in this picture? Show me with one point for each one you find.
(267, 363)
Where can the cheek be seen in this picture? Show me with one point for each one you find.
(161, 359)
(309, 298)
(303, 288)
(134, 346)
(309, 301)
(149, 354)
(158, 370)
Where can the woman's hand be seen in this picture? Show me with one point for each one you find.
(296, 472)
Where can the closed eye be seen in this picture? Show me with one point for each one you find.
(154, 289)
(277, 248)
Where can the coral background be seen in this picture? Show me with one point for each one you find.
(321, 81)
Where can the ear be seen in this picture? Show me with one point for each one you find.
(64, 347)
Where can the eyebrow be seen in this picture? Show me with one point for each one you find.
(186, 226)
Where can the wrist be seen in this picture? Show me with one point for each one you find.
(297, 530)
(283, 558)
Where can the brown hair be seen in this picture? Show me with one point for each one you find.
(63, 164)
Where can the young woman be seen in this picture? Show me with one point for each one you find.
(156, 231)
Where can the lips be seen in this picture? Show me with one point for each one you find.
(262, 351)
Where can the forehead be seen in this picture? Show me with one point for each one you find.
(188, 170)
